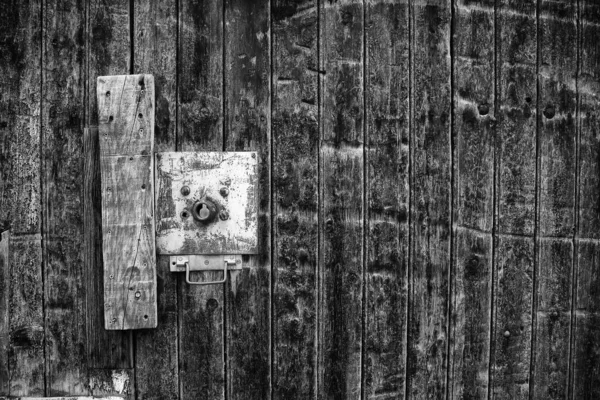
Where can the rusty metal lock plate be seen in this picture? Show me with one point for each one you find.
(206, 203)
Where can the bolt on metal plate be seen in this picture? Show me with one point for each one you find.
(206, 203)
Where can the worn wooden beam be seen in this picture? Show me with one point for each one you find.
(586, 330)
(474, 126)
(108, 51)
(387, 191)
(63, 77)
(557, 108)
(200, 75)
(295, 198)
(430, 200)
(126, 129)
(515, 197)
(155, 52)
(4, 311)
(247, 127)
(20, 192)
(200, 128)
(341, 276)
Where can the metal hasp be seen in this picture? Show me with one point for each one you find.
(206, 210)
(205, 263)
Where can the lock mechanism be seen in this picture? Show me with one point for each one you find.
(206, 210)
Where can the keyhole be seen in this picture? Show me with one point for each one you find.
(204, 212)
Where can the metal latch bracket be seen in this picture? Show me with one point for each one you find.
(190, 263)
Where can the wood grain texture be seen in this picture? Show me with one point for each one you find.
(295, 198)
(342, 190)
(557, 109)
(105, 349)
(474, 122)
(127, 171)
(515, 196)
(155, 50)
(512, 317)
(108, 46)
(20, 192)
(63, 77)
(550, 377)
(128, 242)
(430, 200)
(586, 332)
(200, 75)
(126, 114)
(106, 382)
(108, 51)
(247, 122)
(201, 309)
(4, 311)
(26, 320)
(387, 190)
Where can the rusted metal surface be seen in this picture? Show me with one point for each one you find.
(189, 180)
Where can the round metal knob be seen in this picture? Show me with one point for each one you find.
(204, 210)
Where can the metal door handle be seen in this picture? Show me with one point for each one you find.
(205, 263)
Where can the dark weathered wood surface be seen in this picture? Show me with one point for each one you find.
(108, 52)
(474, 125)
(387, 196)
(295, 198)
(63, 77)
(342, 207)
(430, 201)
(557, 152)
(516, 100)
(154, 43)
(585, 376)
(247, 126)
(429, 217)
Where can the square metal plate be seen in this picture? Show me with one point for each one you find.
(228, 180)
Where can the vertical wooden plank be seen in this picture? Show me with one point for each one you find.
(200, 66)
(248, 127)
(511, 338)
(200, 104)
(586, 354)
(26, 320)
(474, 124)
(515, 256)
(126, 117)
(387, 191)
(108, 53)
(63, 77)
(557, 30)
(20, 116)
(155, 52)
(20, 191)
(342, 178)
(430, 200)
(4, 311)
(295, 202)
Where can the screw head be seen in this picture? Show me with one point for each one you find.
(224, 215)
(138, 294)
(185, 190)
(224, 191)
(506, 334)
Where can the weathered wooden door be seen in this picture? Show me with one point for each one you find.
(428, 208)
